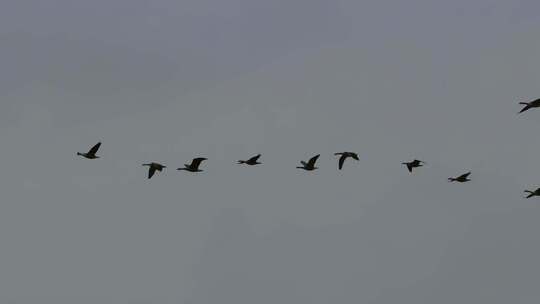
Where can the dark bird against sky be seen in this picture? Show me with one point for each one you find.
(153, 167)
(532, 193)
(310, 165)
(460, 179)
(252, 161)
(91, 154)
(413, 164)
(194, 166)
(344, 156)
(529, 105)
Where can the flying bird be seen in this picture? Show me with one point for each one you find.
(344, 156)
(533, 193)
(91, 154)
(530, 105)
(194, 166)
(310, 165)
(252, 161)
(153, 167)
(462, 178)
(413, 164)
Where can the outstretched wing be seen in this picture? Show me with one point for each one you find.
(94, 149)
(342, 160)
(151, 171)
(531, 193)
(312, 161)
(409, 167)
(525, 108)
(254, 158)
(465, 175)
(196, 162)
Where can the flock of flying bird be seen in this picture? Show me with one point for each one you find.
(310, 164)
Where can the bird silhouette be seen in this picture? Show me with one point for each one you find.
(194, 166)
(413, 164)
(461, 179)
(532, 193)
(310, 165)
(529, 105)
(344, 156)
(91, 154)
(252, 161)
(153, 167)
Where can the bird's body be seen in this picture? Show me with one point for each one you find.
(91, 154)
(532, 193)
(194, 166)
(461, 179)
(310, 165)
(413, 164)
(153, 167)
(252, 161)
(529, 105)
(344, 156)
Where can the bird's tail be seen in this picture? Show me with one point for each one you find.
(241, 161)
(531, 194)
(525, 108)
(79, 153)
(451, 179)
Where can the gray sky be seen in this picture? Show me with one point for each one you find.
(168, 80)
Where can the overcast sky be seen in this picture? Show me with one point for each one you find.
(169, 80)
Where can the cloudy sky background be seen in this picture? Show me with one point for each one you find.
(168, 80)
